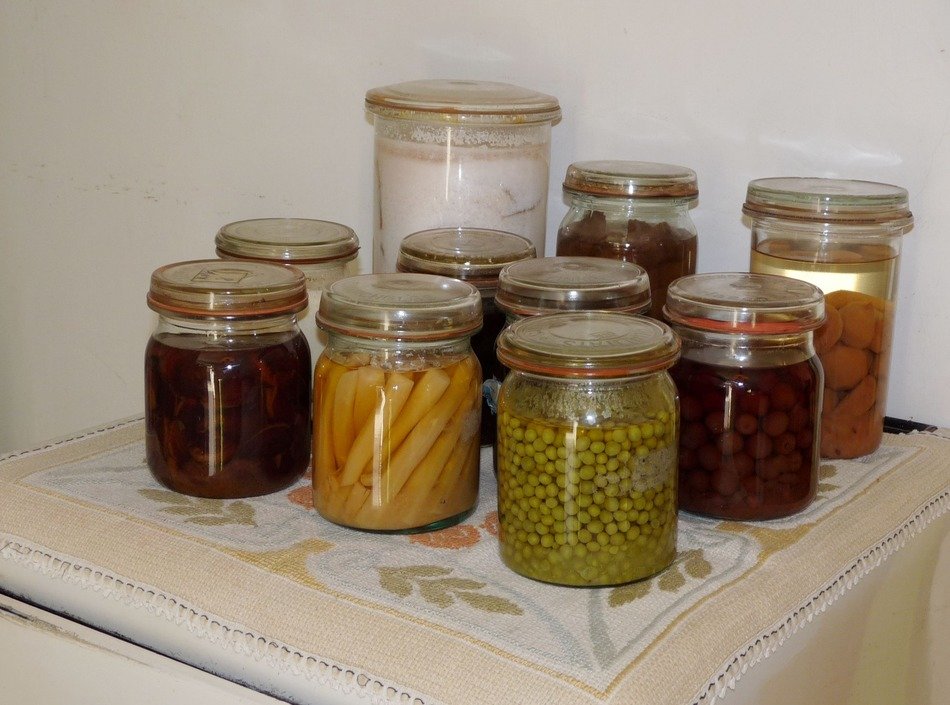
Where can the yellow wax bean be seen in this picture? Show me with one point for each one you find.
(325, 383)
(370, 436)
(418, 490)
(369, 385)
(426, 432)
(342, 424)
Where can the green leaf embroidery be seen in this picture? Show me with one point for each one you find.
(827, 470)
(696, 565)
(628, 593)
(671, 579)
(436, 588)
(201, 510)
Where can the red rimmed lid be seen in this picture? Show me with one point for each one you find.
(401, 306)
(588, 344)
(289, 240)
(738, 302)
(463, 101)
(845, 202)
(217, 288)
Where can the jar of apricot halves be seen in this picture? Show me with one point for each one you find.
(844, 237)
(397, 402)
(750, 388)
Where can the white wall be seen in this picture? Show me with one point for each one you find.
(130, 131)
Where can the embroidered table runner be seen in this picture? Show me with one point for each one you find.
(265, 592)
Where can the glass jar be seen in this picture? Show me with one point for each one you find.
(750, 393)
(397, 403)
(451, 153)
(227, 378)
(552, 284)
(636, 212)
(476, 256)
(322, 250)
(845, 238)
(587, 431)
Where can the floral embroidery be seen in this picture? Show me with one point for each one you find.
(460, 536)
(302, 496)
(437, 587)
(491, 523)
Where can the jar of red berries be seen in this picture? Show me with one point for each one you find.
(750, 387)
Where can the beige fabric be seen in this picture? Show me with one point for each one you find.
(436, 618)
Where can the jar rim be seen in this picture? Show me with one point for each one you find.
(547, 284)
(474, 255)
(589, 345)
(744, 303)
(832, 201)
(463, 101)
(215, 288)
(288, 240)
(631, 179)
(400, 306)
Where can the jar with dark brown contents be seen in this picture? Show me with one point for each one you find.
(227, 379)
(635, 212)
(750, 388)
(476, 256)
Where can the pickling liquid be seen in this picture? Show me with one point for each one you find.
(747, 443)
(854, 344)
(227, 422)
(875, 278)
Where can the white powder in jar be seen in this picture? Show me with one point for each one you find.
(423, 185)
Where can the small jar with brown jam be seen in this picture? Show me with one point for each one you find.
(635, 212)
(227, 378)
(750, 388)
(476, 256)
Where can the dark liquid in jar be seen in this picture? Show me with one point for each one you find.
(747, 441)
(664, 251)
(227, 422)
(483, 344)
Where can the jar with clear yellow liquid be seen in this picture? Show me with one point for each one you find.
(845, 238)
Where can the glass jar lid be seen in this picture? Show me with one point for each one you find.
(401, 306)
(291, 240)
(459, 101)
(839, 201)
(755, 304)
(588, 344)
(217, 288)
(475, 255)
(623, 179)
(548, 284)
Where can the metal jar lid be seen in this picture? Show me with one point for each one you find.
(401, 306)
(548, 284)
(290, 240)
(474, 255)
(588, 344)
(463, 102)
(625, 179)
(755, 304)
(217, 288)
(833, 201)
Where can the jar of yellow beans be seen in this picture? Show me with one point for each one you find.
(397, 395)
(587, 448)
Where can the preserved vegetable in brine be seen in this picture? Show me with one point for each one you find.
(395, 449)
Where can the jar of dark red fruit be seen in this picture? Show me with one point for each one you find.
(750, 388)
(227, 378)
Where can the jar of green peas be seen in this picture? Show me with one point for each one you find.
(588, 427)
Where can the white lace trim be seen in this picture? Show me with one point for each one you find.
(275, 654)
(769, 642)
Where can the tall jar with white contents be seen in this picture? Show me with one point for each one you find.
(324, 251)
(452, 153)
(844, 237)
